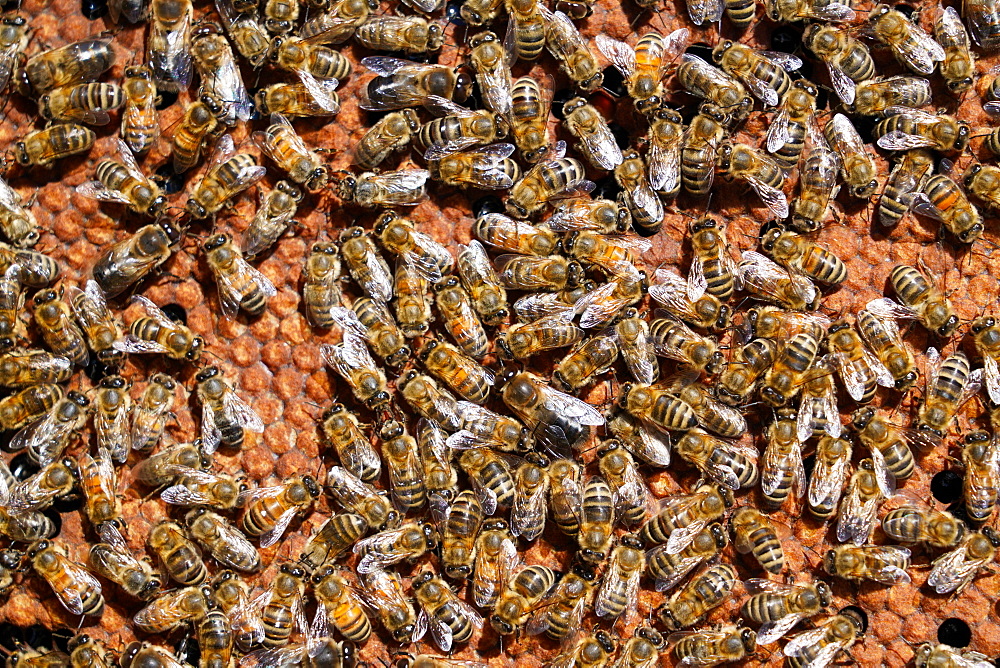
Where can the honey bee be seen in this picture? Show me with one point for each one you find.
(927, 655)
(777, 607)
(487, 168)
(857, 166)
(316, 66)
(403, 462)
(34, 269)
(407, 542)
(711, 414)
(17, 223)
(449, 619)
(668, 568)
(24, 368)
(371, 320)
(406, 34)
(704, 592)
(958, 65)
(462, 374)
(463, 519)
(83, 103)
(40, 148)
(281, 143)
(18, 523)
(225, 417)
(295, 99)
(699, 146)
(522, 596)
(769, 282)
(491, 478)
(753, 533)
(22, 408)
(140, 126)
(333, 538)
(531, 485)
(882, 95)
(488, 56)
(524, 340)
(496, 556)
(384, 593)
(643, 203)
(644, 66)
(909, 177)
(402, 83)
(117, 564)
(361, 498)
(564, 494)
(269, 510)
(820, 646)
(683, 516)
(460, 128)
(596, 143)
(764, 74)
(86, 652)
(58, 329)
(719, 460)
(763, 173)
(229, 173)
(53, 481)
(528, 29)
(282, 611)
(672, 339)
(123, 182)
(630, 492)
(245, 31)
(180, 557)
(320, 289)
(168, 47)
(910, 128)
(688, 300)
(11, 303)
(557, 420)
(365, 265)
(597, 518)
(77, 589)
(987, 339)
(943, 200)
(98, 326)
(222, 540)
(847, 59)
(403, 187)
(620, 582)
(791, 11)
(883, 338)
(869, 486)
(143, 653)
(796, 253)
(918, 524)
(430, 400)
(14, 36)
(488, 296)
(983, 18)
(818, 413)
(921, 300)
(950, 383)
(391, 133)
(563, 609)
(440, 477)
(150, 417)
(232, 595)
(529, 105)
(167, 465)
(912, 47)
(566, 45)
(981, 181)
(544, 182)
(953, 571)
(338, 22)
(215, 639)
(275, 212)
(480, 12)
(502, 233)
(342, 605)
(199, 123)
(784, 380)
(885, 564)
(833, 458)
(636, 347)
(747, 366)
(781, 466)
(220, 75)
(342, 430)
(101, 503)
(74, 63)
(710, 648)
(727, 97)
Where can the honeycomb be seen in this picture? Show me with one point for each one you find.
(274, 360)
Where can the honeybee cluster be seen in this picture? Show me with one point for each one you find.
(529, 387)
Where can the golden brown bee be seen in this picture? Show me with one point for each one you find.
(869, 486)
(460, 319)
(228, 175)
(100, 487)
(462, 374)
(799, 254)
(451, 619)
(883, 338)
(857, 166)
(460, 128)
(74, 63)
(24, 407)
(698, 151)
(341, 602)
(401, 83)
(950, 383)
(168, 464)
(929, 655)
(769, 282)
(912, 129)
(225, 417)
(281, 143)
(47, 438)
(239, 285)
(683, 516)
(383, 591)
(312, 63)
(764, 75)
(283, 604)
(321, 289)
(232, 595)
(150, 417)
(202, 488)
(912, 47)
(143, 653)
(921, 300)
(408, 542)
(98, 326)
(76, 588)
(727, 98)
(953, 571)
(529, 108)
(458, 540)
(34, 269)
(491, 477)
(875, 97)
(916, 524)
(168, 47)
(523, 340)
(529, 30)
(276, 210)
(116, 563)
(57, 327)
(440, 477)
(245, 31)
(658, 406)
(644, 66)
(403, 463)
(982, 181)
(372, 320)
(632, 334)
(778, 607)
(391, 133)
(180, 557)
(746, 367)
(522, 596)
(790, 11)
(399, 236)
(11, 303)
(557, 420)
(215, 639)
(712, 415)
(342, 430)
(753, 533)
(597, 518)
(489, 167)
(620, 582)
(83, 103)
(86, 652)
(847, 58)
(53, 481)
(502, 233)
(566, 45)
(983, 18)
(297, 99)
(124, 182)
(717, 459)
(595, 141)
(488, 296)
(908, 178)
(22, 368)
(531, 484)
(222, 540)
(986, 335)
(543, 182)
(199, 123)
(361, 498)
(668, 568)
(833, 458)
(708, 648)
(403, 34)
(353, 362)
(496, 556)
(480, 12)
(280, 16)
(17, 223)
(563, 609)
(958, 66)
(424, 395)
(338, 22)
(880, 563)
(764, 174)
(817, 188)
(40, 148)
(333, 538)
(584, 362)
(672, 339)
(643, 204)
(943, 200)
(481, 427)
(488, 56)
(702, 593)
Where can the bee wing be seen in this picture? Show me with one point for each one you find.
(564, 404)
(527, 510)
(322, 91)
(442, 106)
(224, 149)
(991, 377)
(226, 83)
(857, 518)
(97, 190)
(826, 484)
(834, 11)
(705, 11)
(274, 534)
(599, 306)
(135, 345)
(8, 197)
(172, 63)
(777, 133)
(231, 285)
(652, 445)
(887, 308)
(495, 87)
(240, 412)
(684, 566)
(773, 198)
(673, 291)
(530, 308)
(664, 163)
(386, 66)
(842, 84)
(620, 54)
(270, 658)
(211, 435)
(770, 632)
(919, 53)
(888, 572)
(38, 436)
(487, 497)
(805, 642)
(179, 495)
(8, 55)
(761, 90)
(772, 469)
(79, 581)
(493, 574)
(785, 61)
(640, 359)
(603, 605)
(441, 633)
(432, 257)
(901, 141)
(680, 538)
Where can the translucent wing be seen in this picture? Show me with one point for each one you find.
(492, 574)
(771, 632)
(652, 445)
(386, 66)
(528, 508)
(805, 641)
(274, 534)
(887, 572)
(827, 483)
(842, 84)
(901, 141)
(226, 84)
(887, 308)
(601, 145)
(773, 198)
(620, 54)
(564, 404)
(234, 283)
(664, 165)
(991, 377)
(777, 133)
(920, 53)
(171, 60)
(79, 580)
(761, 90)
(321, 90)
(705, 11)
(857, 518)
